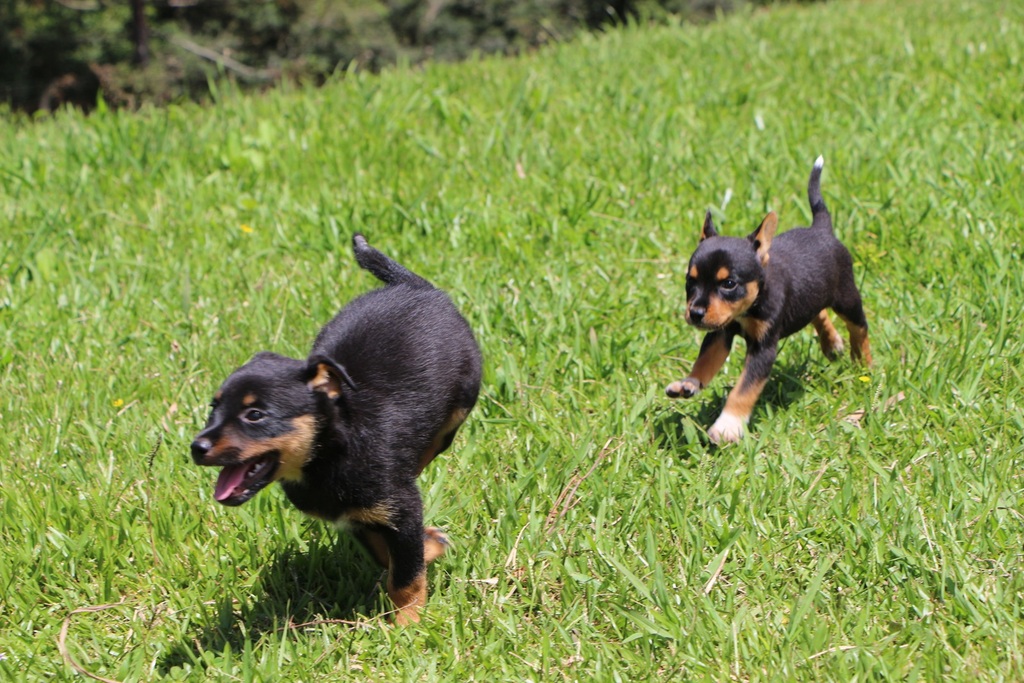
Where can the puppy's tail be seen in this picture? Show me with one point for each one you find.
(818, 208)
(385, 269)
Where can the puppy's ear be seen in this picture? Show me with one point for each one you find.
(709, 227)
(324, 375)
(762, 237)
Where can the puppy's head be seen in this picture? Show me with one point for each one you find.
(725, 274)
(264, 421)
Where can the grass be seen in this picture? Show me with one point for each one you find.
(871, 527)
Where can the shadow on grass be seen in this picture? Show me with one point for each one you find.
(687, 422)
(334, 582)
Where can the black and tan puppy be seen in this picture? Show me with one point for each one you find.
(764, 288)
(387, 384)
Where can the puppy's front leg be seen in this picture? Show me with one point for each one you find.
(729, 426)
(408, 545)
(713, 352)
(396, 551)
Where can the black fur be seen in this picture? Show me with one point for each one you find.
(386, 385)
(764, 288)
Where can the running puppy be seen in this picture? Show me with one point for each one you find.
(386, 386)
(764, 289)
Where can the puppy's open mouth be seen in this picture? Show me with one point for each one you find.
(238, 483)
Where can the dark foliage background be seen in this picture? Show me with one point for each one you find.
(54, 52)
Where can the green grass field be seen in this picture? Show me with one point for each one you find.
(871, 528)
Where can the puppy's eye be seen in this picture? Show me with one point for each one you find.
(253, 415)
(729, 284)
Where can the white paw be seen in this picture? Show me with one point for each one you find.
(728, 428)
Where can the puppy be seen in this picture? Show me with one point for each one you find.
(386, 386)
(764, 288)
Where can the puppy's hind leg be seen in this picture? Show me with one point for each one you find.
(407, 575)
(409, 548)
(435, 544)
(828, 337)
(375, 544)
(850, 308)
(443, 439)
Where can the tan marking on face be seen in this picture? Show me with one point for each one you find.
(722, 274)
(753, 328)
(229, 439)
(753, 290)
(742, 398)
(409, 599)
(828, 337)
(249, 400)
(693, 271)
(378, 514)
(295, 448)
(218, 396)
(325, 381)
(721, 312)
(710, 362)
(453, 422)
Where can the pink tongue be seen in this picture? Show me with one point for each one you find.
(228, 480)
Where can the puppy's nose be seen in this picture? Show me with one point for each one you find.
(200, 447)
(697, 313)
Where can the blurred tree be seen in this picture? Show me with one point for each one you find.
(66, 51)
(140, 35)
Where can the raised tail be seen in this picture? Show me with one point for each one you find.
(384, 268)
(818, 208)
